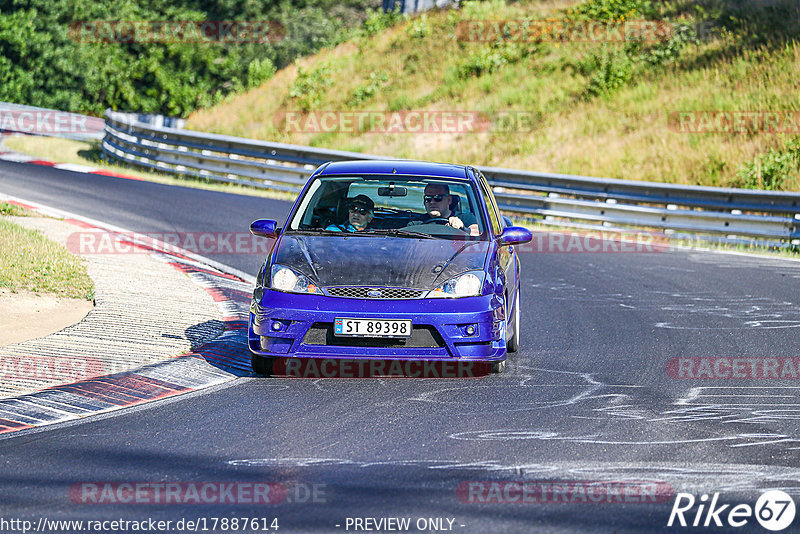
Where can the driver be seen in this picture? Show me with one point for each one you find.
(359, 215)
(437, 205)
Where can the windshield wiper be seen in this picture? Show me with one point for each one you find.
(398, 231)
(379, 231)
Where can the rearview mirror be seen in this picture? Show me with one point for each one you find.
(513, 235)
(264, 228)
(392, 191)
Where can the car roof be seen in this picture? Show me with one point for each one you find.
(396, 167)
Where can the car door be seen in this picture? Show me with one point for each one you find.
(504, 256)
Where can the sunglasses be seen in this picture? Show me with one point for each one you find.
(434, 198)
(360, 210)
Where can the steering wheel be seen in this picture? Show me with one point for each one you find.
(438, 220)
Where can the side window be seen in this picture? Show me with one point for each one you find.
(491, 205)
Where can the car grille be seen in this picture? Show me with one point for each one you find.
(364, 292)
(422, 336)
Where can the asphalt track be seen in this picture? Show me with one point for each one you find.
(588, 398)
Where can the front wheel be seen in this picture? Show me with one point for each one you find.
(261, 365)
(498, 367)
(512, 345)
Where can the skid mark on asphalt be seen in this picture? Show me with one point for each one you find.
(721, 313)
(737, 440)
(562, 388)
(553, 388)
(740, 261)
(766, 406)
(740, 404)
(685, 311)
(586, 397)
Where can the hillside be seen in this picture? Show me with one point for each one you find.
(629, 109)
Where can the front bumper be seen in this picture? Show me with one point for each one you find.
(440, 325)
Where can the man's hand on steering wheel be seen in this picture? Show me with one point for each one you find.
(453, 222)
(456, 223)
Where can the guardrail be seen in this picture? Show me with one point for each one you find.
(597, 202)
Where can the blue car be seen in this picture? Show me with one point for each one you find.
(393, 260)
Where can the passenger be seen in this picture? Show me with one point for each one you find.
(438, 201)
(359, 215)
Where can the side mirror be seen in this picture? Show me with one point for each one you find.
(513, 235)
(507, 222)
(264, 228)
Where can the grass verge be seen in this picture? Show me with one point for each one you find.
(31, 262)
(13, 210)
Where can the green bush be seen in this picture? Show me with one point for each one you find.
(259, 71)
(309, 86)
(682, 35)
(613, 9)
(378, 20)
(400, 103)
(419, 27)
(771, 170)
(609, 69)
(488, 59)
(364, 92)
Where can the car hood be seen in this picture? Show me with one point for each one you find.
(379, 260)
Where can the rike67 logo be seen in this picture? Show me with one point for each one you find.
(774, 510)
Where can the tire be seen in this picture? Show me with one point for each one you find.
(261, 365)
(498, 367)
(512, 345)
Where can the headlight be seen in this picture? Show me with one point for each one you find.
(464, 285)
(286, 279)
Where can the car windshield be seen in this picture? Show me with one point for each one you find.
(407, 206)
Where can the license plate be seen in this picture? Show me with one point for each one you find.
(372, 327)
